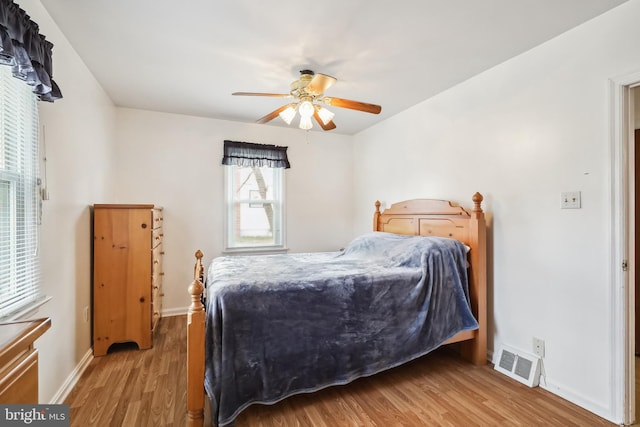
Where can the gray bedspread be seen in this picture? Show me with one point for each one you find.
(279, 325)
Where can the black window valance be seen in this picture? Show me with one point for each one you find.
(27, 51)
(250, 154)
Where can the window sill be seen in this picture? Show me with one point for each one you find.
(255, 251)
(28, 311)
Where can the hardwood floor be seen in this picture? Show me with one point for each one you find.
(148, 388)
(128, 387)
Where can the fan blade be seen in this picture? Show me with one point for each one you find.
(328, 126)
(277, 95)
(353, 105)
(319, 84)
(272, 115)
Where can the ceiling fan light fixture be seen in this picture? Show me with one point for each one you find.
(307, 93)
(288, 114)
(325, 115)
(306, 110)
(305, 122)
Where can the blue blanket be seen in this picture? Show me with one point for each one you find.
(279, 325)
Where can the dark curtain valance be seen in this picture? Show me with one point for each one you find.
(250, 154)
(26, 51)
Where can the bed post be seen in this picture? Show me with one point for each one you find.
(195, 349)
(476, 350)
(376, 217)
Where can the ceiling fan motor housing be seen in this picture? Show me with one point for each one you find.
(297, 86)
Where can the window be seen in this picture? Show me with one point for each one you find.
(19, 195)
(254, 207)
(254, 182)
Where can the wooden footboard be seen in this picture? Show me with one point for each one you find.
(412, 217)
(195, 348)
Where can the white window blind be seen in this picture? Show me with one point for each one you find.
(19, 195)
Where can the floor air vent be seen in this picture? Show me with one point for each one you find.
(518, 365)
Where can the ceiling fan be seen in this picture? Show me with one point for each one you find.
(308, 93)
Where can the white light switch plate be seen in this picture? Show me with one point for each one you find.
(570, 200)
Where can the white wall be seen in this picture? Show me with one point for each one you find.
(78, 131)
(521, 133)
(175, 161)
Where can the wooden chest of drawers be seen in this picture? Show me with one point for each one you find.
(127, 275)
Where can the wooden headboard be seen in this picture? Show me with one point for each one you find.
(428, 217)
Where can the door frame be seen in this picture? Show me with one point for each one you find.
(622, 246)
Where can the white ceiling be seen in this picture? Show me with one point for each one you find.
(188, 57)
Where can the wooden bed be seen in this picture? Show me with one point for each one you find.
(425, 217)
